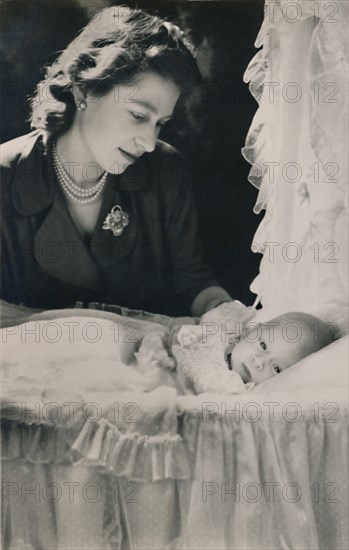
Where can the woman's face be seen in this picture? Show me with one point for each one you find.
(117, 128)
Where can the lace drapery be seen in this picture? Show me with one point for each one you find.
(297, 145)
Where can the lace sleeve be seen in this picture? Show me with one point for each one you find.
(202, 365)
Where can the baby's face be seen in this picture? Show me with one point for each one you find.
(263, 352)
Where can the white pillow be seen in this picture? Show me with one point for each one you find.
(324, 372)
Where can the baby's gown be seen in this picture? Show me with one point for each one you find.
(202, 351)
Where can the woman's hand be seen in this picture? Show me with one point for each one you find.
(230, 312)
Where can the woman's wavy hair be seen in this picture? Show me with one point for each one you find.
(117, 44)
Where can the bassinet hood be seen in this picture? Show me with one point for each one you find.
(297, 145)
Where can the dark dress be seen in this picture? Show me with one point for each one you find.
(156, 264)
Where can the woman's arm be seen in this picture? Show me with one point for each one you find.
(208, 299)
(194, 280)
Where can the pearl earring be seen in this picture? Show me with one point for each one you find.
(82, 105)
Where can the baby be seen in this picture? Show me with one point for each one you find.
(226, 353)
(272, 347)
(237, 358)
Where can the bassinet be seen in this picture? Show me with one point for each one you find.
(85, 466)
(266, 470)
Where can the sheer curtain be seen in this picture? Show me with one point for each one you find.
(298, 147)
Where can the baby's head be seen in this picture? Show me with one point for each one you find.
(267, 349)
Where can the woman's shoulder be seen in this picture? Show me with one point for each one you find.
(15, 149)
(168, 156)
(169, 172)
(167, 168)
(165, 149)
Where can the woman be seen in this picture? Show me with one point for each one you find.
(95, 207)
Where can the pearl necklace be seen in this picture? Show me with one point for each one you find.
(76, 193)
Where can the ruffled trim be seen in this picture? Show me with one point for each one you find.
(255, 150)
(325, 73)
(258, 73)
(135, 456)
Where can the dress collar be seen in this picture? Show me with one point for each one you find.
(34, 186)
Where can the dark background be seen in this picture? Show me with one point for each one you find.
(210, 133)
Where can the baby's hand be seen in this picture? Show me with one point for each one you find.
(153, 353)
(174, 328)
(189, 335)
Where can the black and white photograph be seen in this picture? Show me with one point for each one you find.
(174, 274)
